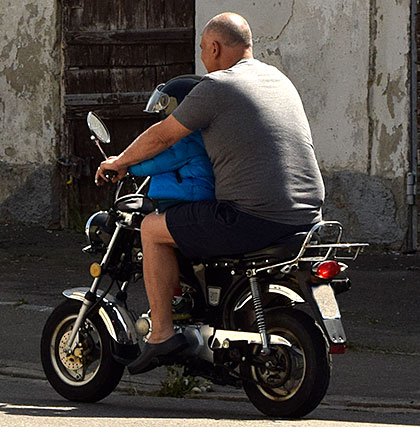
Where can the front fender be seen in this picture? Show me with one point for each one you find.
(118, 321)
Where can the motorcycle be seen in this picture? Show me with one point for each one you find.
(267, 321)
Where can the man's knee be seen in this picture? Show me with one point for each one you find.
(154, 230)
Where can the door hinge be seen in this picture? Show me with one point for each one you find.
(411, 188)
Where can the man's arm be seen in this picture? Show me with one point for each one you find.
(152, 141)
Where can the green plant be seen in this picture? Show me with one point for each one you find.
(176, 385)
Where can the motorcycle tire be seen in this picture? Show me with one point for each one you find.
(91, 373)
(291, 381)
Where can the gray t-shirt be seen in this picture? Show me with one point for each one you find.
(258, 139)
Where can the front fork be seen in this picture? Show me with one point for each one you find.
(90, 296)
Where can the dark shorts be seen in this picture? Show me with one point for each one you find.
(216, 228)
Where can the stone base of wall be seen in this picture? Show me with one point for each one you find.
(28, 195)
(367, 208)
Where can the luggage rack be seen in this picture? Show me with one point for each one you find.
(353, 249)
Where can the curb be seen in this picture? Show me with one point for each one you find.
(133, 386)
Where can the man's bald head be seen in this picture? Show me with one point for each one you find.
(232, 29)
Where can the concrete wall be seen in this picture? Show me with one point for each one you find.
(30, 113)
(349, 61)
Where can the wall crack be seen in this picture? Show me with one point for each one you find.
(288, 21)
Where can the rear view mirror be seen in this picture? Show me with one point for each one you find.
(98, 128)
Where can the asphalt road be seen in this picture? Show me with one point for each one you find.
(377, 380)
(26, 402)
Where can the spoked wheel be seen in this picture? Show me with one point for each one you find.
(291, 381)
(89, 373)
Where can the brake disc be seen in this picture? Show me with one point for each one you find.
(70, 361)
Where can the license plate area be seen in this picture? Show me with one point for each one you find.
(324, 297)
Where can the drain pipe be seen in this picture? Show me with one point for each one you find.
(412, 174)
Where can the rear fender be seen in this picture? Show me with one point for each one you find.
(238, 306)
(287, 295)
(321, 299)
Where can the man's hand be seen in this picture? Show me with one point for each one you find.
(107, 166)
(152, 141)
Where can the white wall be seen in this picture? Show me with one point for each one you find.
(350, 65)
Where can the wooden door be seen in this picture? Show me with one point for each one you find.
(114, 54)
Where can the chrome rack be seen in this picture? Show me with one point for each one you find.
(330, 253)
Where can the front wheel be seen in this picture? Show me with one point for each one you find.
(291, 381)
(90, 373)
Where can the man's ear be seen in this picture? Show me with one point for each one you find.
(215, 49)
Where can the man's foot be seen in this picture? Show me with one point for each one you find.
(155, 355)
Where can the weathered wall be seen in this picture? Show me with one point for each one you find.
(29, 110)
(349, 61)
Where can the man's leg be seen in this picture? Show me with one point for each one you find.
(161, 274)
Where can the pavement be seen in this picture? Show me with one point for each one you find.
(380, 313)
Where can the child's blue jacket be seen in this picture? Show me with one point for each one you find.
(181, 172)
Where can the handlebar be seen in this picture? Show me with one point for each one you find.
(110, 175)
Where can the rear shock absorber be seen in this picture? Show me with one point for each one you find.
(259, 314)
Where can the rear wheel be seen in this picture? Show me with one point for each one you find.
(90, 373)
(291, 381)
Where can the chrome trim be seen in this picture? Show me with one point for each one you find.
(89, 222)
(287, 292)
(332, 247)
(198, 339)
(273, 289)
(143, 184)
(222, 337)
(116, 318)
(245, 299)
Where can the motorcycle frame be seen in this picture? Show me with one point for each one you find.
(121, 325)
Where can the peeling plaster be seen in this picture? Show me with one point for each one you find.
(33, 10)
(28, 72)
(389, 149)
(30, 67)
(394, 94)
(389, 111)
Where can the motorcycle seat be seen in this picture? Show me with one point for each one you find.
(284, 250)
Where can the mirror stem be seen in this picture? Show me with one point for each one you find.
(100, 149)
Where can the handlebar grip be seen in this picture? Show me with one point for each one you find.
(110, 174)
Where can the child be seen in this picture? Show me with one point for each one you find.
(183, 172)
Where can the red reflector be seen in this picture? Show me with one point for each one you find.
(338, 349)
(328, 269)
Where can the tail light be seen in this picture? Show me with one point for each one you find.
(338, 349)
(328, 269)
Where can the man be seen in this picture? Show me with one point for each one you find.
(268, 183)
